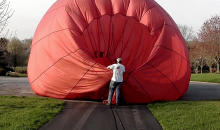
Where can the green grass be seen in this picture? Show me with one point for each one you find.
(27, 113)
(207, 77)
(187, 115)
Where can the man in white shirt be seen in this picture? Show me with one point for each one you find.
(116, 80)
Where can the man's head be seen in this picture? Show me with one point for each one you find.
(119, 60)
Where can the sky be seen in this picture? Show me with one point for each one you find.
(28, 13)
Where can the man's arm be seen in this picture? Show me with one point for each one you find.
(109, 67)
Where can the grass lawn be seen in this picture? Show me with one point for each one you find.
(27, 113)
(187, 115)
(206, 77)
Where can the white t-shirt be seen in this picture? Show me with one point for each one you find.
(118, 70)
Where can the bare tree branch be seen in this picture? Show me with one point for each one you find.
(186, 31)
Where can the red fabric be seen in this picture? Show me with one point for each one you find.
(113, 99)
(77, 39)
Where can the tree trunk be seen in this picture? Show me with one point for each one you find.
(218, 68)
(201, 69)
(210, 69)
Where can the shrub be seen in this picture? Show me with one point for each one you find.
(12, 74)
(21, 70)
(2, 72)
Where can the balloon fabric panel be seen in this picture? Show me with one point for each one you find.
(77, 39)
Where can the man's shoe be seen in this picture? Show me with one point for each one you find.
(108, 104)
(117, 104)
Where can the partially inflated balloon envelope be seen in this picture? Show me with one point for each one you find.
(77, 39)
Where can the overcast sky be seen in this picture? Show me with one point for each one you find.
(28, 13)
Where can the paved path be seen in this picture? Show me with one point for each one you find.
(202, 91)
(97, 116)
(79, 115)
(17, 86)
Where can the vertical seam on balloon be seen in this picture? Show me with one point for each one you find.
(144, 49)
(123, 35)
(111, 25)
(94, 4)
(128, 75)
(80, 79)
(87, 46)
(172, 61)
(54, 64)
(128, 7)
(138, 47)
(98, 17)
(133, 44)
(74, 20)
(91, 40)
(78, 15)
(104, 40)
(112, 36)
(141, 87)
(140, 41)
(81, 12)
(144, 54)
(128, 42)
(99, 40)
(96, 46)
(111, 7)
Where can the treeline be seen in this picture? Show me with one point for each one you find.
(204, 46)
(14, 52)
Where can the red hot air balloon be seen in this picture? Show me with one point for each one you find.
(77, 39)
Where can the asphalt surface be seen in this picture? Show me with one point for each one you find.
(82, 115)
(16, 86)
(97, 116)
(202, 91)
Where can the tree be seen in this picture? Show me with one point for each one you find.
(2, 59)
(3, 52)
(209, 34)
(5, 14)
(16, 51)
(27, 45)
(197, 54)
(187, 32)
